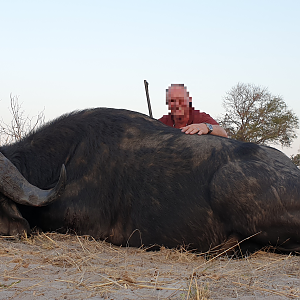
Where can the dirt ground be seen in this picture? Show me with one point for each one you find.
(56, 266)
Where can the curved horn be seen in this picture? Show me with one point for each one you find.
(14, 186)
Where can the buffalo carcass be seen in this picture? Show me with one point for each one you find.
(133, 181)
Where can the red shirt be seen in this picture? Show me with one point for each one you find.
(196, 117)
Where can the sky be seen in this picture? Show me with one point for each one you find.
(60, 56)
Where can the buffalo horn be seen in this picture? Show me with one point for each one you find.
(14, 186)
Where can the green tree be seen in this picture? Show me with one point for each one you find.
(252, 114)
(296, 159)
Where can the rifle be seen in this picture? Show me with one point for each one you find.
(148, 98)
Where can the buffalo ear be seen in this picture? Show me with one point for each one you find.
(11, 220)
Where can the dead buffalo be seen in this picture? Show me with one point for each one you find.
(133, 181)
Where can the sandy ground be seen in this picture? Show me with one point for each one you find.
(56, 266)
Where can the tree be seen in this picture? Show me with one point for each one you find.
(252, 114)
(296, 159)
(20, 125)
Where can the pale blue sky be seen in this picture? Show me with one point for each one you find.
(68, 55)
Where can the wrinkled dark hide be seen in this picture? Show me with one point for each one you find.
(134, 181)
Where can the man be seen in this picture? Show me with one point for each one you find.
(185, 117)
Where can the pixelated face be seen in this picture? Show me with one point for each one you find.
(177, 100)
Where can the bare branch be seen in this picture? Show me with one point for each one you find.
(20, 125)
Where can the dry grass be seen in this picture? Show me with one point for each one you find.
(60, 266)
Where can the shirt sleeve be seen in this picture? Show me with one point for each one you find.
(163, 119)
(167, 120)
(206, 118)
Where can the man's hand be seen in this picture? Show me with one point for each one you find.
(195, 128)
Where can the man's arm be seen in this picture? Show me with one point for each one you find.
(202, 128)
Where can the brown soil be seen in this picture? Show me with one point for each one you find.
(56, 266)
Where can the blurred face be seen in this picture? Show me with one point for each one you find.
(178, 101)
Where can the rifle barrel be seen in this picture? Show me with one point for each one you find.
(148, 98)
